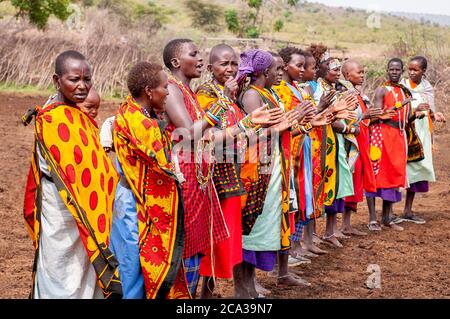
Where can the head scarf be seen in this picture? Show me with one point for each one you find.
(325, 57)
(252, 62)
(334, 64)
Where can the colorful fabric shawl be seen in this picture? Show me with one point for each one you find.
(285, 157)
(286, 93)
(318, 149)
(330, 175)
(86, 180)
(393, 153)
(422, 170)
(203, 214)
(143, 150)
(226, 174)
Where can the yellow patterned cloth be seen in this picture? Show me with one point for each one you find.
(285, 159)
(143, 149)
(85, 179)
(329, 172)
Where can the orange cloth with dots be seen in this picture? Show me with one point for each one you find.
(85, 179)
(143, 149)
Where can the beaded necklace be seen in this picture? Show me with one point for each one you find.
(198, 160)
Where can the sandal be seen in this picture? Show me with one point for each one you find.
(413, 219)
(374, 226)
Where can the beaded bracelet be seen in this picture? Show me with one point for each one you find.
(211, 119)
(216, 109)
(308, 126)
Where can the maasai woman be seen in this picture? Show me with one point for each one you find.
(306, 112)
(318, 61)
(388, 146)
(223, 65)
(363, 176)
(266, 212)
(148, 230)
(420, 169)
(70, 194)
(203, 216)
(335, 162)
(293, 95)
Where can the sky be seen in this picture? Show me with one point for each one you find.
(414, 6)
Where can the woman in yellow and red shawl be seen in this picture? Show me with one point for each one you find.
(70, 193)
(143, 150)
(293, 95)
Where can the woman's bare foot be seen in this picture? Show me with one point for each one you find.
(394, 226)
(261, 290)
(332, 240)
(292, 280)
(339, 234)
(350, 231)
(316, 239)
(315, 250)
(301, 251)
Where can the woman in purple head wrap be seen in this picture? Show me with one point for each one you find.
(252, 62)
(266, 208)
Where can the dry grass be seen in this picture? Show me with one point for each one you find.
(27, 55)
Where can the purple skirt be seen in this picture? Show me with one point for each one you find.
(264, 260)
(387, 194)
(337, 207)
(419, 187)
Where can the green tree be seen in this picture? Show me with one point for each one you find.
(232, 21)
(278, 26)
(206, 16)
(39, 11)
(252, 21)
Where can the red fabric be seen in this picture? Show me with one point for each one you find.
(392, 173)
(227, 253)
(30, 204)
(363, 175)
(200, 206)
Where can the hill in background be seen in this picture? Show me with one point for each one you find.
(114, 34)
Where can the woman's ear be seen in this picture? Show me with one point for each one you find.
(209, 67)
(175, 63)
(56, 81)
(148, 92)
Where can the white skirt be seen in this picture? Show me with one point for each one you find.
(63, 267)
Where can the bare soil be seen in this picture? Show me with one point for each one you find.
(414, 263)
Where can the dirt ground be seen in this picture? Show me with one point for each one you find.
(413, 263)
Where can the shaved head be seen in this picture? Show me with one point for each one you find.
(353, 72)
(218, 50)
(350, 65)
